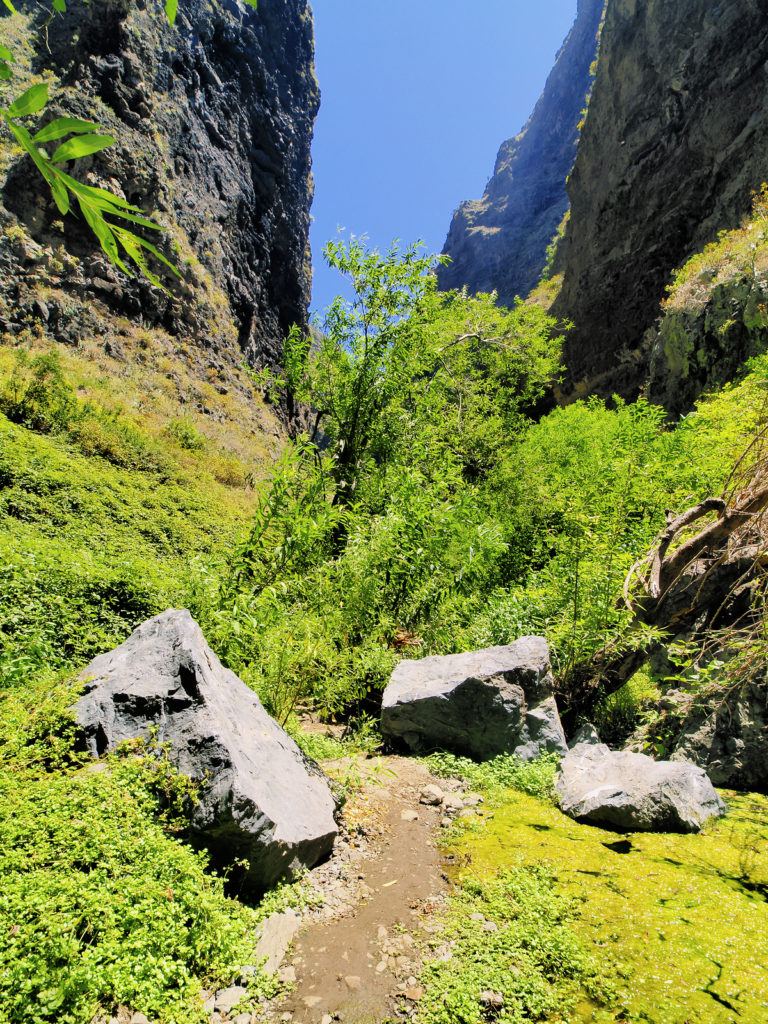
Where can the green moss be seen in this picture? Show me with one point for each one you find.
(684, 918)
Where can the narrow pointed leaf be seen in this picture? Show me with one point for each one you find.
(171, 6)
(62, 126)
(97, 195)
(60, 196)
(10, 6)
(29, 102)
(59, 5)
(101, 229)
(5, 53)
(72, 149)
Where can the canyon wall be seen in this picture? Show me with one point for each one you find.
(500, 242)
(213, 120)
(675, 141)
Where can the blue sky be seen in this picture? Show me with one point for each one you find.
(417, 96)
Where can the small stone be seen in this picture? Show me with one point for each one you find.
(382, 933)
(242, 1018)
(139, 1018)
(381, 966)
(490, 926)
(452, 803)
(228, 998)
(412, 982)
(488, 998)
(286, 1017)
(409, 816)
(352, 982)
(445, 822)
(476, 917)
(286, 975)
(311, 1001)
(472, 799)
(431, 795)
(414, 993)
(209, 1003)
(326, 1019)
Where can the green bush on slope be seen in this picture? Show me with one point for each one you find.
(101, 904)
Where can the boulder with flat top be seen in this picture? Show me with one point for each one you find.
(262, 804)
(497, 700)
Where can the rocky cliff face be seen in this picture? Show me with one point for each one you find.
(214, 123)
(500, 241)
(674, 143)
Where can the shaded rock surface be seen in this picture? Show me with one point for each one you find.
(499, 242)
(481, 703)
(727, 735)
(675, 141)
(213, 120)
(633, 793)
(261, 799)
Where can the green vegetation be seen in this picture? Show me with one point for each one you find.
(527, 966)
(679, 923)
(430, 512)
(101, 902)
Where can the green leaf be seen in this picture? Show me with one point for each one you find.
(59, 5)
(60, 196)
(171, 7)
(30, 102)
(62, 126)
(72, 149)
(101, 229)
(99, 196)
(5, 53)
(252, 3)
(10, 6)
(5, 72)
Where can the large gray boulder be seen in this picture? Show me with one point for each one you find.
(260, 800)
(631, 792)
(482, 703)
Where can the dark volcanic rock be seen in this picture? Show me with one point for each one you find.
(633, 793)
(727, 735)
(261, 800)
(499, 242)
(675, 141)
(482, 703)
(213, 120)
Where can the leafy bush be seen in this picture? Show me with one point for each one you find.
(528, 966)
(502, 772)
(101, 904)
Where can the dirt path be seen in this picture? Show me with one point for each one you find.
(357, 959)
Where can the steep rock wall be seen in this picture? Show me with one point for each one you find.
(674, 143)
(500, 241)
(214, 123)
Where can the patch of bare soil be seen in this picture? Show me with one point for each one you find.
(357, 959)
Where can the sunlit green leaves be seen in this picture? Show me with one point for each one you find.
(30, 102)
(62, 126)
(5, 57)
(171, 7)
(73, 149)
